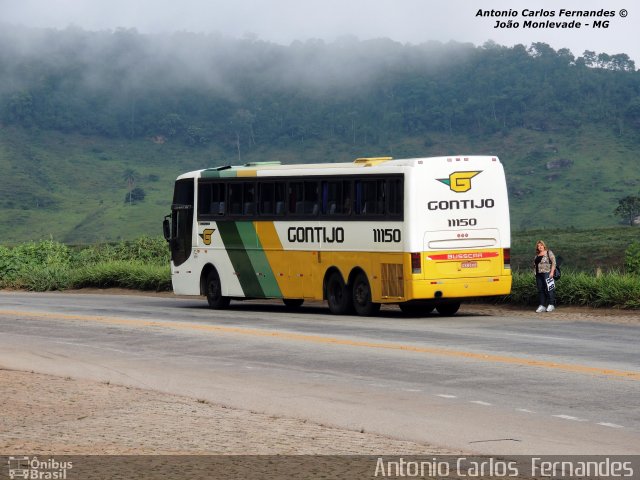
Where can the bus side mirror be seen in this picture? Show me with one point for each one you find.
(166, 228)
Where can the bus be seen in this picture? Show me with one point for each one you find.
(422, 233)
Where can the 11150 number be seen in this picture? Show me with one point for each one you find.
(463, 222)
(386, 235)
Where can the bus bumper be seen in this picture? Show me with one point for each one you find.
(458, 288)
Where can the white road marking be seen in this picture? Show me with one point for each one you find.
(611, 425)
(569, 417)
(411, 390)
(380, 385)
(442, 395)
(480, 402)
(524, 410)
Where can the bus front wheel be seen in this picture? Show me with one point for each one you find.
(338, 295)
(362, 297)
(214, 292)
(448, 309)
(292, 303)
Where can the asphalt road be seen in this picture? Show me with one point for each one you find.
(487, 382)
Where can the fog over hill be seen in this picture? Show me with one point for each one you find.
(122, 83)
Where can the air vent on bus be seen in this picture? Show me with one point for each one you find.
(262, 164)
(369, 162)
(392, 280)
(217, 169)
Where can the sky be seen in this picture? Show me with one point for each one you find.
(284, 21)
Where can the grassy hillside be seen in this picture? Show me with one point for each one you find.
(580, 250)
(72, 188)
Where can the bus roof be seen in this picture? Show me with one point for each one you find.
(385, 164)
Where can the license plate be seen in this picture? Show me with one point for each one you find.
(469, 265)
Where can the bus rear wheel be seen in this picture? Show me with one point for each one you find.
(338, 295)
(416, 308)
(448, 309)
(214, 292)
(362, 297)
(292, 302)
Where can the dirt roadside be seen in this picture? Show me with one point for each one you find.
(43, 414)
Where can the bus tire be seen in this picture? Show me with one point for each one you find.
(292, 302)
(214, 291)
(416, 309)
(448, 309)
(338, 295)
(361, 294)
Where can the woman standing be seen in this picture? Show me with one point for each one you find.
(545, 266)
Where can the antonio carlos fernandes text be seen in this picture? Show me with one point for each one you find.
(491, 467)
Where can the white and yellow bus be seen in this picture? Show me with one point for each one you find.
(422, 233)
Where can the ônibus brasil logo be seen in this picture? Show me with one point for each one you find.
(459, 181)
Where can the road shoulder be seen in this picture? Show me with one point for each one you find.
(44, 414)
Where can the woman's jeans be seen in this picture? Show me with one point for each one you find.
(545, 297)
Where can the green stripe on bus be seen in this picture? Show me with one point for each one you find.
(258, 259)
(240, 259)
(213, 173)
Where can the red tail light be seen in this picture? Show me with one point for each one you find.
(416, 264)
(506, 253)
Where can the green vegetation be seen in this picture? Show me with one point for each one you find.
(142, 264)
(579, 288)
(628, 209)
(632, 258)
(580, 250)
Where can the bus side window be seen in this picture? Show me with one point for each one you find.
(296, 198)
(394, 197)
(336, 197)
(366, 197)
(266, 192)
(311, 198)
(218, 197)
(249, 197)
(211, 198)
(205, 199)
(280, 197)
(380, 196)
(324, 197)
(346, 198)
(235, 198)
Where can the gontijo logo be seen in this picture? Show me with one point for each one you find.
(459, 181)
(206, 235)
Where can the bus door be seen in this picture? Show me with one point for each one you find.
(182, 221)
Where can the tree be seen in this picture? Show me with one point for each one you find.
(134, 196)
(632, 258)
(130, 177)
(628, 208)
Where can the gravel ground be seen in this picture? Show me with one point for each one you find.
(43, 414)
